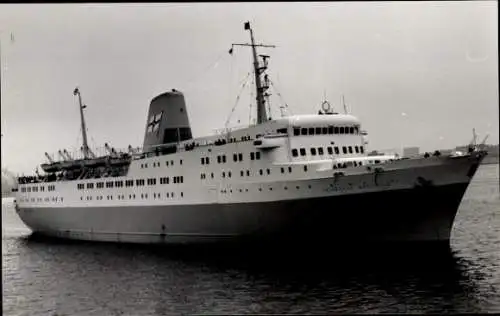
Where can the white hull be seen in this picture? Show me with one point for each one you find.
(344, 207)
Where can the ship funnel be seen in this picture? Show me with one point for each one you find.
(167, 120)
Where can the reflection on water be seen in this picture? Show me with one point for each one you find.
(197, 280)
(44, 276)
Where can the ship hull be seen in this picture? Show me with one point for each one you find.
(419, 214)
(409, 201)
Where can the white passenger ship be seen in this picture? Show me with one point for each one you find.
(300, 177)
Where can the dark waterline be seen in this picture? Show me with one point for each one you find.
(44, 276)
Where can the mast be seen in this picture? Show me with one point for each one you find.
(260, 88)
(84, 129)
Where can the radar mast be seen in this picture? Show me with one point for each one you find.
(259, 69)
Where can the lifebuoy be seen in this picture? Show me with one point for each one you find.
(327, 109)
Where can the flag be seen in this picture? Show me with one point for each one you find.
(247, 25)
(76, 91)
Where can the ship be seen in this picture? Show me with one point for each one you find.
(295, 178)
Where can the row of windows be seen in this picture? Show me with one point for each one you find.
(330, 130)
(319, 150)
(39, 199)
(255, 155)
(41, 188)
(130, 183)
(157, 164)
(242, 172)
(221, 159)
(205, 160)
(132, 196)
(260, 189)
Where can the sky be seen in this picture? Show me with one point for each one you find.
(415, 73)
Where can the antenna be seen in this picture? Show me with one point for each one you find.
(258, 70)
(343, 103)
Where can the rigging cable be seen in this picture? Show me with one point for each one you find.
(237, 99)
(212, 65)
(251, 98)
(281, 97)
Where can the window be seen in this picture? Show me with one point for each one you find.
(330, 130)
(224, 158)
(252, 156)
(281, 131)
(295, 153)
(109, 184)
(235, 157)
(361, 149)
(336, 130)
(282, 170)
(305, 168)
(257, 155)
(320, 151)
(351, 130)
(313, 151)
(356, 148)
(330, 150)
(118, 184)
(311, 130)
(100, 185)
(341, 130)
(80, 186)
(318, 130)
(261, 172)
(241, 173)
(207, 161)
(296, 131)
(337, 150)
(303, 131)
(248, 173)
(344, 149)
(302, 151)
(350, 149)
(90, 185)
(219, 159)
(129, 183)
(325, 130)
(290, 169)
(240, 157)
(202, 160)
(268, 171)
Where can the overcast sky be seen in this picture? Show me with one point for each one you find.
(415, 73)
